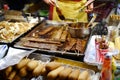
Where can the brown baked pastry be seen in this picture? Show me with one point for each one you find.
(63, 75)
(44, 72)
(52, 65)
(52, 75)
(38, 69)
(83, 75)
(74, 75)
(32, 65)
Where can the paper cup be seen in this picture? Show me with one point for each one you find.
(101, 53)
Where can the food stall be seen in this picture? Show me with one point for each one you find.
(36, 49)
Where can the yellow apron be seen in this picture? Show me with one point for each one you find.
(70, 9)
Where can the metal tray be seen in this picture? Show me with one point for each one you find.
(47, 23)
(66, 62)
(18, 36)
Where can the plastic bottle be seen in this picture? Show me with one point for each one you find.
(106, 72)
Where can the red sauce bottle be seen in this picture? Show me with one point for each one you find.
(106, 72)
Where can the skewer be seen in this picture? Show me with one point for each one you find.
(78, 53)
(64, 52)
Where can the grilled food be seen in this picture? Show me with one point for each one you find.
(47, 30)
(70, 44)
(41, 40)
(41, 46)
(57, 34)
(80, 45)
(63, 36)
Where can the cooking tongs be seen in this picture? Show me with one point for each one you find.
(89, 2)
(61, 16)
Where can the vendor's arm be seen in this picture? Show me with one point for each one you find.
(50, 2)
(88, 10)
(90, 6)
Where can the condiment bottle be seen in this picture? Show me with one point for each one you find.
(106, 72)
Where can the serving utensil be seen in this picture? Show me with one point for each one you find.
(92, 20)
(60, 15)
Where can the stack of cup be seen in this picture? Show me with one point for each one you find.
(101, 47)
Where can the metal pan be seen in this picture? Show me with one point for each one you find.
(45, 24)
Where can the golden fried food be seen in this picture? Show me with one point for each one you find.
(32, 65)
(23, 72)
(52, 75)
(8, 70)
(37, 71)
(83, 75)
(12, 75)
(22, 63)
(52, 65)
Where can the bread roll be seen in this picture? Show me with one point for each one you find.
(17, 77)
(64, 73)
(38, 69)
(12, 75)
(53, 74)
(22, 63)
(32, 65)
(8, 70)
(83, 75)
(58, 78)
(44, 72)
(23, 72)
(74, 75)
(89, 78)
(52, 65)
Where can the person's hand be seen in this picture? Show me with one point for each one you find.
(50, 2)
(89, 6)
